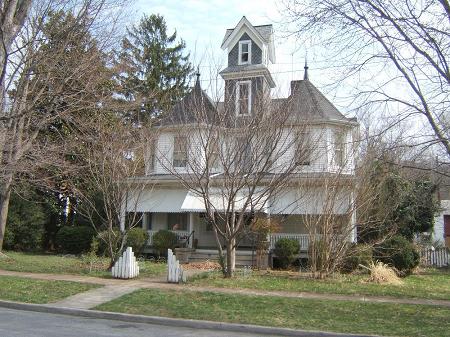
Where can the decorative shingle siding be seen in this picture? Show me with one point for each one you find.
(233, 55)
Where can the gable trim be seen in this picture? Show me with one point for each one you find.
(243, 25)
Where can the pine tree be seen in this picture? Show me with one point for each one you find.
(153, 67)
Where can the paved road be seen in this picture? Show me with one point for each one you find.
(17, 323)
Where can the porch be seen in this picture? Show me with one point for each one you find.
(188, 239)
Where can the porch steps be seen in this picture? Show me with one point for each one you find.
(243, 258)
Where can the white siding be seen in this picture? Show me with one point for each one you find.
(322, 156)
(438, 230)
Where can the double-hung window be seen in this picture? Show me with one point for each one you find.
(245, 52)
(339, 148)
(151, 155)
(303, 148)
(180, 151)
(243, 98)
(213, 153)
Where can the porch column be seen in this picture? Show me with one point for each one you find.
(191, 228)
(145, 221)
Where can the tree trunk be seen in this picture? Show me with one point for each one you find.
(231, 257)
(5, 194)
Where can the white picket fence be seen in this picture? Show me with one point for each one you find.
(126, 267)
(174, 270)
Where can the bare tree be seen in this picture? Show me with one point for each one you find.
(395, 53)
(40, 86)
(236, 163)
(112, 158)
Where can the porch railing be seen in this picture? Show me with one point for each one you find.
(303, 239)
(181, 235)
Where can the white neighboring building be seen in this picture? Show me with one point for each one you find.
(441, 230)
(169, 205)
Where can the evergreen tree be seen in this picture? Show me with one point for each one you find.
(404, 205)
(153, 68)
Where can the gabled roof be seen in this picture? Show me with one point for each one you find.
(263, 35)
(265, 31)
(195, 104)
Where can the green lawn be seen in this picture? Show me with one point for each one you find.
(337, 316)
(432, 284)
(57, 264)
(39, 291)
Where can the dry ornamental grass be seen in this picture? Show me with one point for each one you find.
(383, 274)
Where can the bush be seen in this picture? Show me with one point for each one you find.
(25, 223)
(74, 240)
(113, 236)
(163, 240)
(357, 254)
(136, 239)
(285, 250)
(399, 253)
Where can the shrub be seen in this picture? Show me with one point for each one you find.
(163, 240)
(104, 238)
(285, 250)
(399, 253)
(358, 254)
(25, 223)
(136, 239)
(74, 240)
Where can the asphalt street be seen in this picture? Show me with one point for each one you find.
(15, 323)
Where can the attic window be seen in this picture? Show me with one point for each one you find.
(243, 98)
(245, 52)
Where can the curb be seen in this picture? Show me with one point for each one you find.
(186, 323)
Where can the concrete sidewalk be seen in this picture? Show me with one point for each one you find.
(94, 297)
(115, 288)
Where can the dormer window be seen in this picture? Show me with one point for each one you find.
(243, 98)
(245, 52)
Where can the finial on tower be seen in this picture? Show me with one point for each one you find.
(305, 77)
(198, 73)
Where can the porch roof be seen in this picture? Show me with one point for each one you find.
(158, 201)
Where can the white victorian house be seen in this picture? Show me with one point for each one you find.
(170, 203)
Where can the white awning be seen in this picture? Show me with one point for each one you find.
(219, 201)
(158, 201)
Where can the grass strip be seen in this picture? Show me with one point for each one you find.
(27, 290)
(328, 315)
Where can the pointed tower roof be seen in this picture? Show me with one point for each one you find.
(194, 106)
(306, 102)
